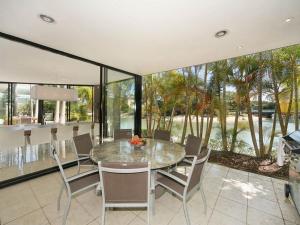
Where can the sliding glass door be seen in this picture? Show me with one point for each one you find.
(120, 101)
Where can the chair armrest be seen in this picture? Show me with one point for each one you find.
(82, 157)
(177, 179)
(75, 177)
(187, 161)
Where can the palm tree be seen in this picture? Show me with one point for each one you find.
(220, 71)
(247, 69)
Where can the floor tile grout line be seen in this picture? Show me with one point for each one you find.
(227, 214)
(269, 214)
(20, 216)
(81, 205)
(30, 211)
(278, 202)
(98, 218)
(41, 208)
(130, 220)
(214, 207)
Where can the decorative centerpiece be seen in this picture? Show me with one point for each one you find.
(137, 141)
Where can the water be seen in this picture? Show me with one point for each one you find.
(127, 122)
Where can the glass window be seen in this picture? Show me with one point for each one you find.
(23, 107)
(82, 110)
(3, 104)
(120, 101)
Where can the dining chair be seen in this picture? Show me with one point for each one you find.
(83, 145)
(192, 148)
(164, 135)
(122, 134)
(184, 186)
(125, 185)
(75, 185)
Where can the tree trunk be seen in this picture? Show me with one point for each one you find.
(197, 123)
(296, 97)
(288, 113)
(277, 103)
(185, 121)
(191, 124)
(235, 126)
(272, 134)
(202, 112)
(169, 127)
(209, 125)
(224, 117)
(251, 124)
(116, 107)
(260, 125)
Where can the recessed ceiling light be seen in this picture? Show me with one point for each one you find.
(241, 46)
(46, 18)
(221, 33)
(287, 20)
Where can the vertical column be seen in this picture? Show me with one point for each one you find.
(100, 109)
(138, 106)
(96, 103)
(41, 112)
(8, 104)
(104, 93)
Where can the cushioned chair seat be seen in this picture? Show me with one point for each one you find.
(183, 164)
(84, 181)
(87, 162)
(169, 182)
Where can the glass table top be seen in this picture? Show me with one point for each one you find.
(159, 153)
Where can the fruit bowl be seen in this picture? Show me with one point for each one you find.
(137, 141)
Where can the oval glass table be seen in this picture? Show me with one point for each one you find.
(161, 154)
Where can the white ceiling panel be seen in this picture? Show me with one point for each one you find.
(146, 36)
(23, 63)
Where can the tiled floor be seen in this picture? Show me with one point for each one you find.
(234, 197)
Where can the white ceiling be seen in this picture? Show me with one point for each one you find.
(23, 63)
(146, 36)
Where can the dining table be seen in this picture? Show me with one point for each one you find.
(161, 154)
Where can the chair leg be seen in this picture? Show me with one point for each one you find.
(186, 214)
(78, 167)
(59, 196)
(148, 215)
(103, 215)
(67, 211)
(98, 189)
(204, 200)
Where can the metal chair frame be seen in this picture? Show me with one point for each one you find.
(66, 184)
(125, 205)
(81, 157)
(187, 194)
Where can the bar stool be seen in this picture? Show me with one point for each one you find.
(63, 135)
(84, 128)
(13, 139)
(40, 136)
